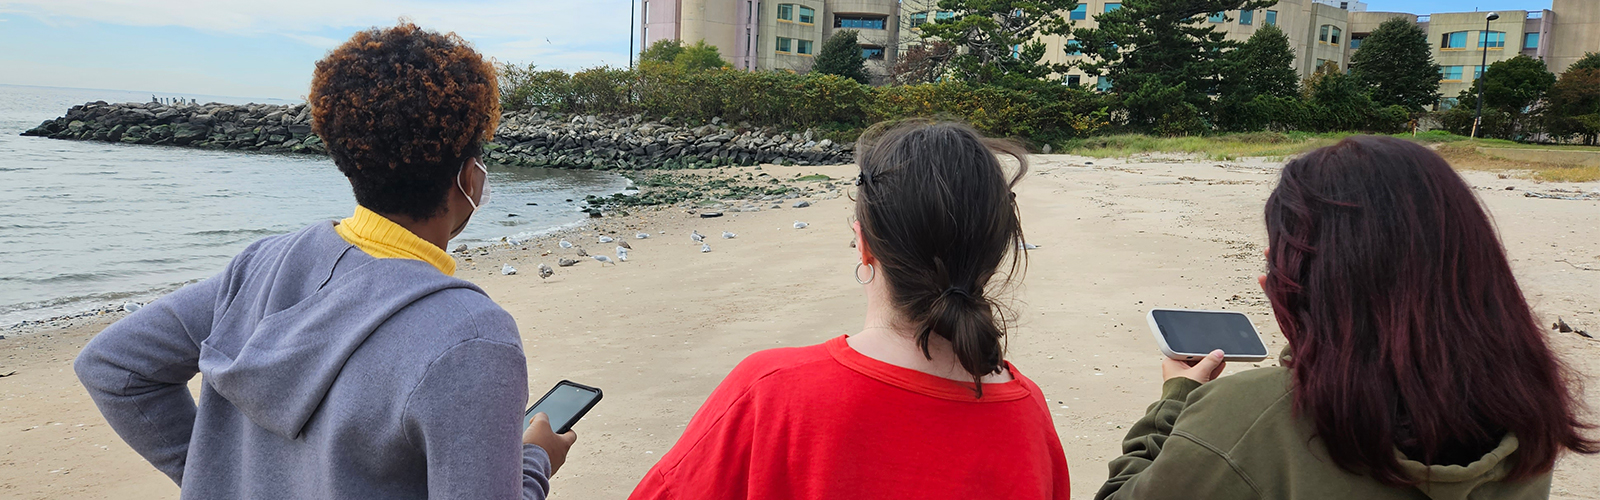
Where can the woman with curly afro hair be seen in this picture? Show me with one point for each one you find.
(343, 360)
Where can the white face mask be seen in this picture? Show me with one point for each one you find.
(483, 197)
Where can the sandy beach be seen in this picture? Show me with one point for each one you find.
(657, 333)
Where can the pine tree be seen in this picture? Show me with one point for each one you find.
(1590, 60)
(841, 55)
(1161, 55)
(1262, 67)
(1396, 62)
(998, 40)
(1573, 109)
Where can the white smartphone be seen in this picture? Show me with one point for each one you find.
(1188, 334)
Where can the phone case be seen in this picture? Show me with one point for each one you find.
(1168, 352)
(598, 394)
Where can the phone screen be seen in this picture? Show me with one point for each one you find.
(1199, 332)
(564, 404)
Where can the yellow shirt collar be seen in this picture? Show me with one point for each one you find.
(382, 238)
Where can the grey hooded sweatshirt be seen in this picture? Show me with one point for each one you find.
(327, 373)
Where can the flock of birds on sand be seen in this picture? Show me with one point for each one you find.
(623, 247)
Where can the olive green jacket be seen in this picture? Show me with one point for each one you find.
(1237, 437)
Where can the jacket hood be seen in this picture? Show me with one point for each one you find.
(1456, 482)
(275, 359)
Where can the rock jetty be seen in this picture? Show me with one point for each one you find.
(530, 138)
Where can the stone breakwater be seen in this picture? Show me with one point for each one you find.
(532, 138)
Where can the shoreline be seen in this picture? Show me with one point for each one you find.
(657, 333)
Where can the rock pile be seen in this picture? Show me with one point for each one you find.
(533, 138)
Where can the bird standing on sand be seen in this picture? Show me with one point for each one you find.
(582, 253)
(800, 225)
(642, 235)
(565, 244)
(728, 236)
(705, 248)
(607, 239)
(565, 262)
(604, 260)
(507, 270)
(545, 271)
(622, 253)
(695, 235)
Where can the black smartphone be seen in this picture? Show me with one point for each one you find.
(567, 402)
(1187, 335)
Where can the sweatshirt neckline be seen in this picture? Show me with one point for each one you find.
(384, 239)
(924, 383)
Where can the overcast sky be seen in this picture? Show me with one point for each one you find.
(267, 48)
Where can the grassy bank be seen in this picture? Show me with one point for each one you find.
(1462, 152)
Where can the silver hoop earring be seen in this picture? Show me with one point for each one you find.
(872, 276)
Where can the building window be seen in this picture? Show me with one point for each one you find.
(786, 11)
(1530, 41)
(1355, 43)
(1073, 48)
(1247, 17)
(1074, 80)
(1113, 6)
(1272, 18)
(1103, 83)
(859, 22)
(1477, 72)
(1322, 36)
(919, 19)
(1218, 17)
(1336, 33)
(1320, 64)
(874, 53)
(944, 15)
(1451, 73)
(1457, 40)
(785, 45)
(1081, 11)
(802, 47)
(644, 13)
(1491, 39)
(1016, 51)
(807, 15)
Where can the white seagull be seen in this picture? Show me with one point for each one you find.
(705, 248)
(800, 225)
(607, 239)
(507, 270)
(1026, 246)
(565, 244)
(622, 253)
(728, 236)
(604, 260)
(642, 235)
(695, 235)
(545, 271)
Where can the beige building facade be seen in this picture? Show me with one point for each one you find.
(782, 35)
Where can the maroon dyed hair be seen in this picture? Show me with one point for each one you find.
(1406, 326)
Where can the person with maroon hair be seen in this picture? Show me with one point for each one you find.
(1415, 368)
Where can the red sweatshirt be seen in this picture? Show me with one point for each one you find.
(827, 422)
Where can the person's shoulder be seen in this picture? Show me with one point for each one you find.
(462, 313)
(782, 362)
(1225, 410)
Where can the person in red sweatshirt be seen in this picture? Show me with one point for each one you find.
(920, 404)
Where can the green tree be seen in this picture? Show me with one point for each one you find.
(1163, 56)
(841, 55)
(1397, 63)
(1262, 66)
(1590, 60)
(998, 41)
(663, 51)
(1573, 107)
(700, 57)
(1513, 85)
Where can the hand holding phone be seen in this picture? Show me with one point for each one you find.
(1190, 335)
(548, 423)
(555, 445)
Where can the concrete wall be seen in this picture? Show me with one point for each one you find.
(887, 38)
(773, 28)
(658, 21)
(1576, 31)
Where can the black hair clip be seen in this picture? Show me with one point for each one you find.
(864, 179)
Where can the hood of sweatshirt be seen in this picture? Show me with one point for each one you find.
(1456, 482)
(317, 299)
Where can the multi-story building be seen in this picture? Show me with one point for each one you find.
(776, 34)
(785, 34)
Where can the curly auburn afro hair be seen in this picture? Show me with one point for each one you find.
(401, 110)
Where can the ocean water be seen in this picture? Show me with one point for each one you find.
(84, 224)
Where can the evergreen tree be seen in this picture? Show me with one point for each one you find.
(998, 41)
(1262, 66)
(1163, 56)
(841, 55)
(699, 57)
(1590, 60)
(1573, 108)
(1397, 63)
(663, 51)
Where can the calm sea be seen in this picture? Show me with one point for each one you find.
(83, 224)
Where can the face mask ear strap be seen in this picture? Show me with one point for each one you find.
(463, 189)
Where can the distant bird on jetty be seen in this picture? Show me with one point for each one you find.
(582, 253)
(695, 235)
(800, 225)
(642, 235)
(507, 270)
(565, 244)
(604, 260)
(728, 236)
(131, 306)
(545, 271)
(624, 244)
(622, 253)
(705, 248)
(607, 239)
(1026, 246)
(565, 262)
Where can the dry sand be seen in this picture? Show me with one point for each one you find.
(658, 333)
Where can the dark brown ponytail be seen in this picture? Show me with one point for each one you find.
(937, 210)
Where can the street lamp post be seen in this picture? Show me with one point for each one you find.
(1483, 40)
(632, 5)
